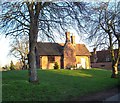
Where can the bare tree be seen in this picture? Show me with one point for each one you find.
(105, 30)
(33, 17)
(110, 26)
(19, 49)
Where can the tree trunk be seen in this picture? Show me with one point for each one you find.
(114, 70)
(23, 63)
(34, 10)
(32, 56)
(115, 65)
(32, 67)
(114, 61)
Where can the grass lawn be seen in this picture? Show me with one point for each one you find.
(55, 85)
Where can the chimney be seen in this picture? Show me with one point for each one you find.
(95, 55)
(73, 40)
(67, 36)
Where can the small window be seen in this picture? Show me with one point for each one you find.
(51, 59)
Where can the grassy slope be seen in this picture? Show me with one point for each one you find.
(54, 84)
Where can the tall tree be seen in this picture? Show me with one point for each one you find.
(38, 17)
(105, 28)
(109, 23)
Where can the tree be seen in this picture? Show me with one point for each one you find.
(19, 49)
(19, 65)
(38, 17)
(106, 30)
(109, 23)
(12, 66)
(56, 66)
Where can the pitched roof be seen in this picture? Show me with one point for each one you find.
(82, 50)
(49, 48)
(103, 56)
(57, 49)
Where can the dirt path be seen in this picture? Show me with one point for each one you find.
(99, 96)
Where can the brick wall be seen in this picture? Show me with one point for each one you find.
(104, 65)
(69, 55)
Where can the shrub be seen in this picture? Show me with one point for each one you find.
(5, 68)
(56, 66)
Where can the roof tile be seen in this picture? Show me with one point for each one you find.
(57, 49)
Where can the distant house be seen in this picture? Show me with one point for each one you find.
(68, 54)
(102, 59)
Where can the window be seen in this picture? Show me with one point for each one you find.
(51, 59)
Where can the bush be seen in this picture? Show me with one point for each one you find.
(56, 66)
(5, 68)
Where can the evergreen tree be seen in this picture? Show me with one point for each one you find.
(12, 66)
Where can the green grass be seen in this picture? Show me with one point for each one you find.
(55, 85)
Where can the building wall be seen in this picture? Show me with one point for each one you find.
(58, 60)
(44, 62)
(86, 61)
(104, 65)
(69, 55)
(46, 65)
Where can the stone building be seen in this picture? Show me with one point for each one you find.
(67, 55)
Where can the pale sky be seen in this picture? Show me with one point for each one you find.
(4, 51)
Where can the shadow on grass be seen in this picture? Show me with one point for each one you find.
(55, 85)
